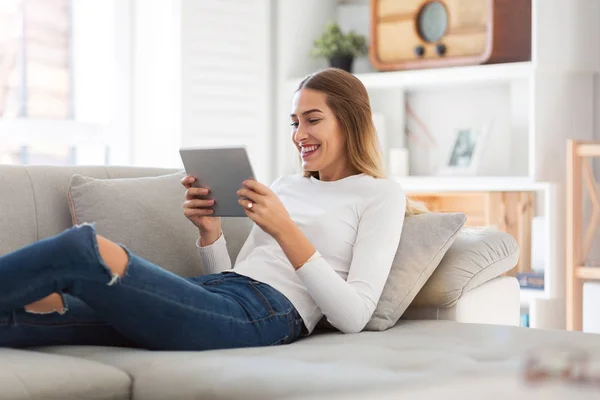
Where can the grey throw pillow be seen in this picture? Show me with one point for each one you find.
(424, 241)
(146, 215)
(477, 255)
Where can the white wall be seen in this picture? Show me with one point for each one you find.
(294, 40)
(226, 77)
(157, 126)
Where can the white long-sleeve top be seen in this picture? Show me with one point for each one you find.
(355, 223)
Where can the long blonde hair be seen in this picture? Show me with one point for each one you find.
(349, 100)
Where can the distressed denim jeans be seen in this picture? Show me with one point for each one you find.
(148, 307)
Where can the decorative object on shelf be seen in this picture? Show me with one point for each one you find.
(524, 320)
(531, 280)
(423, 137)
(414, 34)
(339, 48)
(465, 152)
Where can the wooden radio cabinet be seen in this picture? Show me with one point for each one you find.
(415, 34)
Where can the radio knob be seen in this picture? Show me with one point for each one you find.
(440, 49)
(420, 51)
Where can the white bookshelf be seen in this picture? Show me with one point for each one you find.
(479, 183)
(538, 105)
(441, 77)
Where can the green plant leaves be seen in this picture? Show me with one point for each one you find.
(334, 43)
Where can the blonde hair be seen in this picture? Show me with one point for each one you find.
(349, 100)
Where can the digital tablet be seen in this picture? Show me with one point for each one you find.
(222, 170)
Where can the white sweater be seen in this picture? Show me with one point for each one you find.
(355, 223)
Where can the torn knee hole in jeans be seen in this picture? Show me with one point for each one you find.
(62, 311)
(113, 280)
(48, 306)
(114, 277)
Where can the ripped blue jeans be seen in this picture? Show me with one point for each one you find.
(148, 307)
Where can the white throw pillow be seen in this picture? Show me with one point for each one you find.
(424, 241)
(475, 257)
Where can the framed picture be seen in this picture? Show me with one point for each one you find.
(465, 151)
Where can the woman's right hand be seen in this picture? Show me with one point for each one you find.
(198, 211)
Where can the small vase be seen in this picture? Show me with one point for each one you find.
(342, 62)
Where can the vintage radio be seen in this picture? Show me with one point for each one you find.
(414, 34)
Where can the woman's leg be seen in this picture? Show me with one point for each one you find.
(75, 323)
(148, 305)
(113, 256)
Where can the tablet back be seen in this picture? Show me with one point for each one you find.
(222, 170)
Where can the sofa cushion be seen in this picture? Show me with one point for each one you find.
(476, 256)
(424, 241)
(32, 375)
(146, 215)
(325, 364)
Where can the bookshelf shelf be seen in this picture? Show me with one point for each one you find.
(438, 77)
(584, 272)
(476, 183)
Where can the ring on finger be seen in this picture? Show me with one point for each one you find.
(250, 204)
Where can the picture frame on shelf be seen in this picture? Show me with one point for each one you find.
(464, 154)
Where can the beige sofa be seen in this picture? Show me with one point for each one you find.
(476, 336)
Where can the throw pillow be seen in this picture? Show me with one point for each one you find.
(476, 256)
(146, 215)
(424, 241)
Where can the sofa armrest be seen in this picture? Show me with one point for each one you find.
(494, 302)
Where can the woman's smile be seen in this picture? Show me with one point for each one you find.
(308, 151)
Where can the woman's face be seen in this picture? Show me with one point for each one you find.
(318, 137)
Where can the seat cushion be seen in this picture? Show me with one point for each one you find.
(33, 375)
(410, 353)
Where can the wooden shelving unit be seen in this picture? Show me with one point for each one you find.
(580, 173)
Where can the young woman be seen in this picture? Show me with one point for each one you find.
(322, 245)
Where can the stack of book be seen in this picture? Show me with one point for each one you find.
(531, 280)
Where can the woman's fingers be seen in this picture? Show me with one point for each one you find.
(187, 181)
(257, 187)
(195, 203)
(193, 192)
(247, 204)
(197, 212)
(249, 194)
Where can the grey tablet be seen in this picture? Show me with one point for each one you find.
(222, 170)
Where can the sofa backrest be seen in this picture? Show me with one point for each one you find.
(34, 203)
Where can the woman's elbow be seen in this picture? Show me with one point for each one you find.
(353, 327)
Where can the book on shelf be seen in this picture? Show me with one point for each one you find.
(531, 280)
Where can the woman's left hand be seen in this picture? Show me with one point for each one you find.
(264, 208)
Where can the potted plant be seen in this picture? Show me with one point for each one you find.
(339, 48)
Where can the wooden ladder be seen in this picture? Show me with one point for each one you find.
(579, 170)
